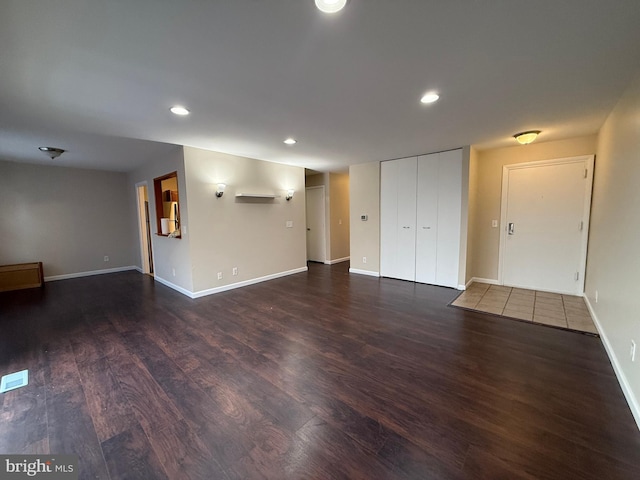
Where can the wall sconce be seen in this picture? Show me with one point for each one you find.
(220, 190)
(289, 195)
(526, 138)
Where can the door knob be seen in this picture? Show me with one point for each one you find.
(308, 229)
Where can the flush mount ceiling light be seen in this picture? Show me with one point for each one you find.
(290, 141)
(178, 110)
(527, 137)
(330, 6)
(53, 152)
(430, 97)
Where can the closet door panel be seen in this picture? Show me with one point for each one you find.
(388, 218)
(449, 214)
(406, 257)
(427, 218)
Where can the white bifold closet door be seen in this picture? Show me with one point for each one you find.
(449, 218)
(420, 215)
(398, 218)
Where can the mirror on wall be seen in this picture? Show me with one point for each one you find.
(167, 205)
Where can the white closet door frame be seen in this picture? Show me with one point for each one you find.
(589, 161)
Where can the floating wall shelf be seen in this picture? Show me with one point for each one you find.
(257, 195)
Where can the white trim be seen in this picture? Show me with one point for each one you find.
(337, 260)
(632, 401)
(67, 276)
(142, 228)
(461, 287)
(173, 286)
(490, 281)
(245, 283)
(138, 269)
(364, 272)
(589, 161)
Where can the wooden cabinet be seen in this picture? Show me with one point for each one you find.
(23, 275)
(420, 218)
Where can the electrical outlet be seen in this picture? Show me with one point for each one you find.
(596, 296)
(235, 271)
(106, 258)
(173, 272)
(364, 259)
(632, 351)
(219, 275)
(494, 223)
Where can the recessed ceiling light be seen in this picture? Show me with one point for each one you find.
(330, 6)
(290, 141)
(430, 97)
(178, 110)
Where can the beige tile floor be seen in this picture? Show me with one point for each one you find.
(566, 311)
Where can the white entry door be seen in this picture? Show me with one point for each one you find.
(316, 246)
(545, 223)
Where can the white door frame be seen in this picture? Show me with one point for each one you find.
(142, 229)
(324, 221)
(589, 159)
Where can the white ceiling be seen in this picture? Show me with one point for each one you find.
(97, 77)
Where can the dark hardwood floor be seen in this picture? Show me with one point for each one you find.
(320, 375)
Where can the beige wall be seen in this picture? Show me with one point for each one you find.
(339, 215)
(364, 189)
(249, 234)
(171, 256)
(613, 259)
(68, 218)
(486, 191)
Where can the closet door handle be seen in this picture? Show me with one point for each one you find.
(511, 229)
(426, 228)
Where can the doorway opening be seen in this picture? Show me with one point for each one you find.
(144, 223)
(316, 246)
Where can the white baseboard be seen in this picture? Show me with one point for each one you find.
(364, 272)
(224, 288)
(490, 281)
(337, 260)
(173, 286)
(461, 287)
(137, 268)
(67, 276)
(632, 401)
